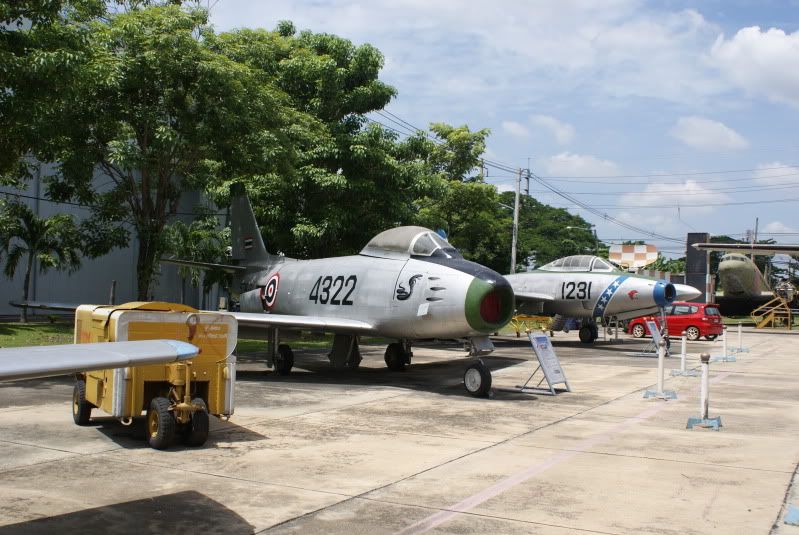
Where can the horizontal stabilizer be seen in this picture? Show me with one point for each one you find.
(532, 296)
(202, 265)
(748, 248)
(44, 361)
(288, 321)
(65, 307)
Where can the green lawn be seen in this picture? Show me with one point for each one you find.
(35, 334)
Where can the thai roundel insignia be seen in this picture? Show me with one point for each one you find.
(269, 292)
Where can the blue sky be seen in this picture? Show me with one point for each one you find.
(664, 115)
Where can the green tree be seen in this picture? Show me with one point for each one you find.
(672, 265)
(51, 242)
(155, 110)
(201, 241)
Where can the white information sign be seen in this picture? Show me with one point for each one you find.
(654, 330)
(547, 362)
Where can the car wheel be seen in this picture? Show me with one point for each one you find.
(692, 333)
(711, 337)
(638, 330)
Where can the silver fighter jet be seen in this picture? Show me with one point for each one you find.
(407, 284)
(585, 287)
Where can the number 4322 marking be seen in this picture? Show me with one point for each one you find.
(327, 289)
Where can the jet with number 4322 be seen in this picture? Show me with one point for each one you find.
(408, 284)
(585, 287)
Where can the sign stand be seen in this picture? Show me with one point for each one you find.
(651, 350)
(549, 364)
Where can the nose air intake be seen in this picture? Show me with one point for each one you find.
(489, 303)
(664, 293)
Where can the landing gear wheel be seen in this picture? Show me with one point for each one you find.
(711, 337)
(81, 409)
(395, 357)
(477, 379)
(196, 431)
(161, 424)
(692, 333)
(284, 360)
(587, 334)
(638, 330)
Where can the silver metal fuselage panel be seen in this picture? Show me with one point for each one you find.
(366, 288)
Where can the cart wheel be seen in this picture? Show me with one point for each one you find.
(477, 379)
(81, 409)
(161, 424)
(284, 360)
(196, 432)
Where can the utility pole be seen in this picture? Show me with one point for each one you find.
(515, 223)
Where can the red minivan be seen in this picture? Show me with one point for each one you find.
(696, 319)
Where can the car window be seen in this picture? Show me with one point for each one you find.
(694, 310)
(681, 310)
(712, 311)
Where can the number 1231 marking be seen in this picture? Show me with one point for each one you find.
(576, 290)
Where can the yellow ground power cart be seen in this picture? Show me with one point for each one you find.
(177, 397)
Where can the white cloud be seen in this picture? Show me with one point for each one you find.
(706, 134)
(515, 129)
(579, 165)
(776, 173)
(761, 62)
(690, 196)
(778, 227)
(563, 132)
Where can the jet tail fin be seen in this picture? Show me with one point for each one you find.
(248, 245)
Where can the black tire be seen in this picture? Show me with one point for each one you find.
(196, 431)
(395, 357)
(586, 334)
(692, 333)
(711, 337)
(81, 409)
(161, 424)
(638, 330)
(284, 360)
(477, 380)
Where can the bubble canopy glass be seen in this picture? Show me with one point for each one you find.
(409, 241)
(578, 263)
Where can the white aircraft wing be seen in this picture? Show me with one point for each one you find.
(533, 296)
(288, 321)
(44, 361)
(67, 307)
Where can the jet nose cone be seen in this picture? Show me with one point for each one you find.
(489, 302)
(664, 293)
(686, 293)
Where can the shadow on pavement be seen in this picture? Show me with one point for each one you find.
(182, 512)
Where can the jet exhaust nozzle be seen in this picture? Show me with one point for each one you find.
(664, 293)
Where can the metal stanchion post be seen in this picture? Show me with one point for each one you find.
(660, 393)
(725, 356)
(704, 400)
(724, 345)
(740, 334)
(683, 355)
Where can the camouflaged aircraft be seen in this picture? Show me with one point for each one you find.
(585, 287)
(408, 284)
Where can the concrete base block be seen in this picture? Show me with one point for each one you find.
(792, 516)
(686, 373)
(725, 358)
(666, 394)
(711, 423)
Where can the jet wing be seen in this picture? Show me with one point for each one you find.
(67, 307)
(288, 321)
(43, 361)
(532, 296)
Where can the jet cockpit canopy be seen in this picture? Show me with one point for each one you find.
(405, 242)
(579, 263)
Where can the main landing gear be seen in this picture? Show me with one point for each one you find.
(398, 355)
(589, 332)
